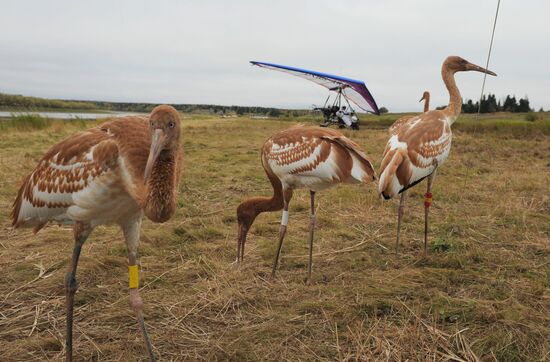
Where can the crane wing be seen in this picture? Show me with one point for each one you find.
(67, 168)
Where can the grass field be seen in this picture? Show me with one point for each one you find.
(481, 293)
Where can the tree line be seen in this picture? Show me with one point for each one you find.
(12, 101)
(19, 102)
(489, 104)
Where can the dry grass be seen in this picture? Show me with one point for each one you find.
(481, 294)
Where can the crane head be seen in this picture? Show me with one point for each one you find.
(246, 214)
(457, 64)
(425, 96)
(164, 125)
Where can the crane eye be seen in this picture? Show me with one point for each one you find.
(151, 123)
(171, 124)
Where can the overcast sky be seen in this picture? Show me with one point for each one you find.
(198, 51)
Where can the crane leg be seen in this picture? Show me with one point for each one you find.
(81, 233)
(240, 245)
(427, 204)
(282, 231)
(131, 234)
(400, 212)
(311, 230)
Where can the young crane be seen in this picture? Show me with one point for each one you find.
(418, 145)
(111, 174)
(393, 130)
(426, 99)
(302, 157)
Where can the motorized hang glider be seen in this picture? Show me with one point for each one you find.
(351, 89)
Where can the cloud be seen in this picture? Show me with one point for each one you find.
(198, 52)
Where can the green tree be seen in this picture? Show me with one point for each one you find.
(523, 105)
(274, 113)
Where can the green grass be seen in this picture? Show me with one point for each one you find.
(25, 122)
(482, 290)
(509, 124)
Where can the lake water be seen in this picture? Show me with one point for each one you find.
(71, 115)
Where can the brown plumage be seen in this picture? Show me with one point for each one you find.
(420, 144)
(302, 157)
(112, 174)
(395, 126)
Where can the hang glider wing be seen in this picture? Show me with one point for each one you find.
(354, 90)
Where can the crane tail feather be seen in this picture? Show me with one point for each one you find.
(387, 175)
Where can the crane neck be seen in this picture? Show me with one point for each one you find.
(249, 209)
(455, 99)
(266, 204)
(257, 205)
(427, 103)
(162, 187)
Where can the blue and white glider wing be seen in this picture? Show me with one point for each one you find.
(354, 90)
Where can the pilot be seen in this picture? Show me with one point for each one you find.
(344, 115)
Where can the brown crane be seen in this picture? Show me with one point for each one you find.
(418, 145)
(302, 157)
(112, 174)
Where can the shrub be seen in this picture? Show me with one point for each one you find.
(531, 117)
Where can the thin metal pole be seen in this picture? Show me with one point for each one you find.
(488, 58)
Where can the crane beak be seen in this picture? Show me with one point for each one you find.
(477, 68)
(158, 138)
(421, 99)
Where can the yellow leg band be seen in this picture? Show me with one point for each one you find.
(133, 276)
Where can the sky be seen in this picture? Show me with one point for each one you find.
(198, 51)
